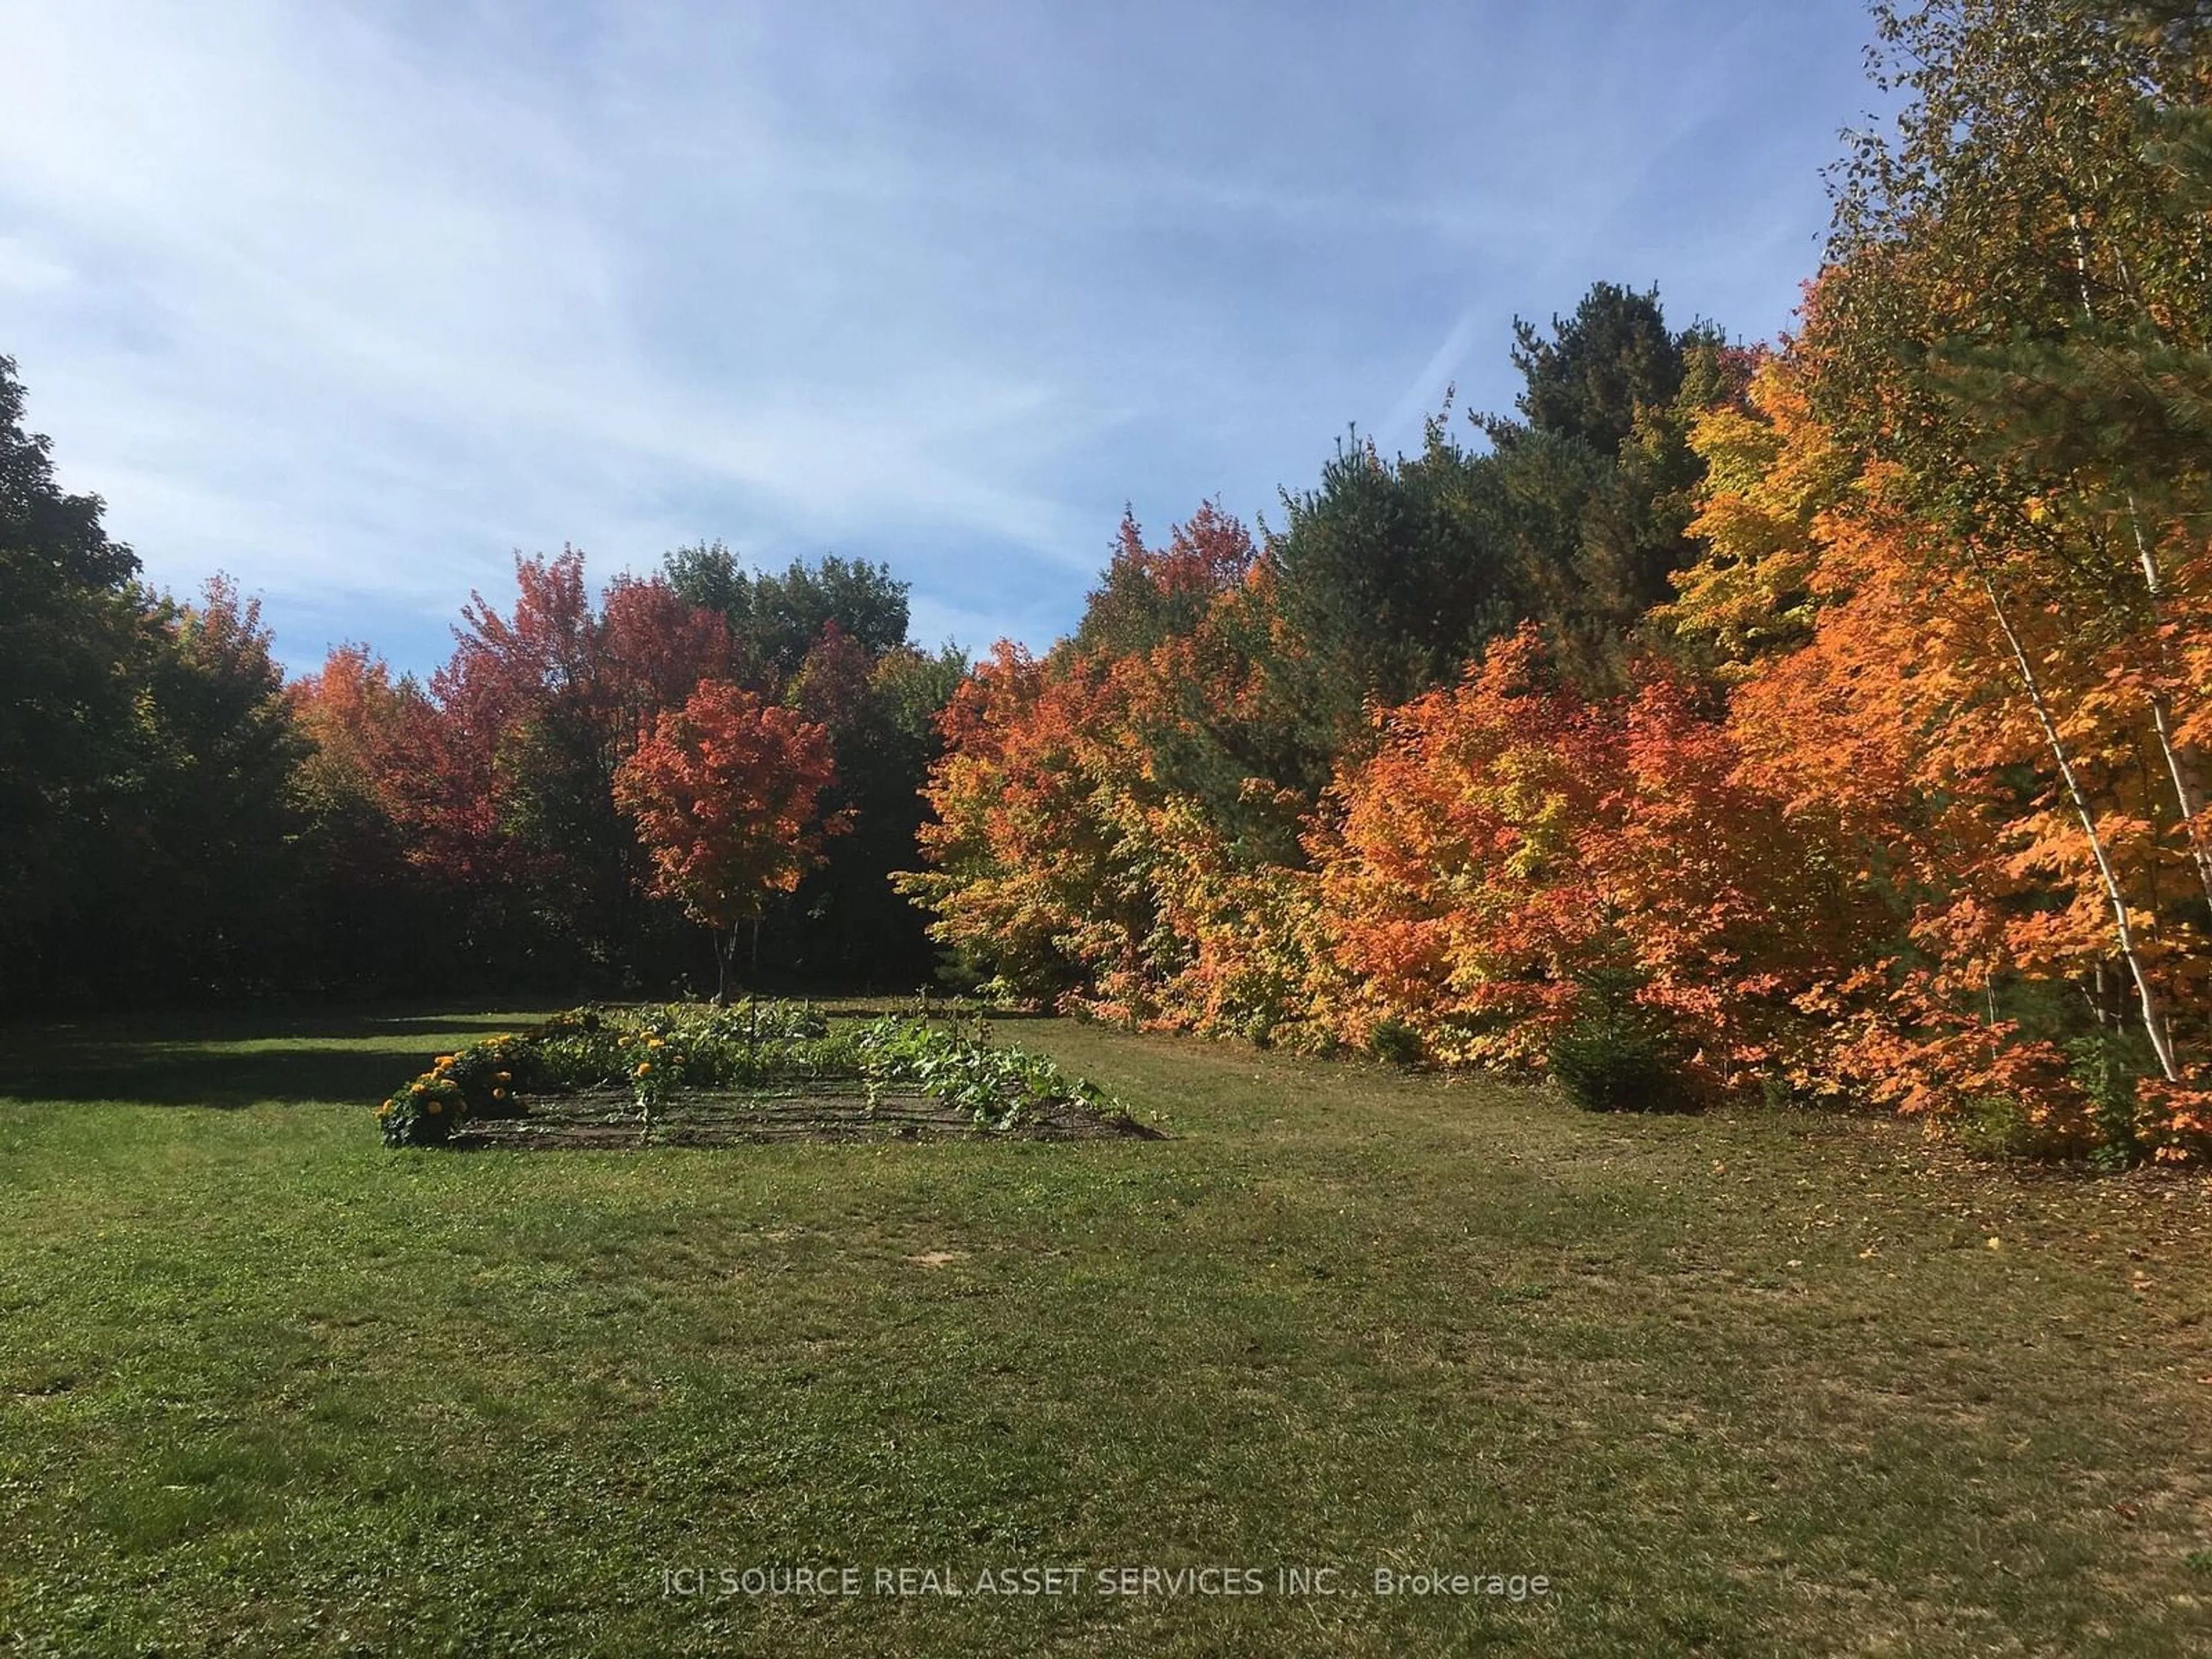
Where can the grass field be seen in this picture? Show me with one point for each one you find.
(1750, 1384)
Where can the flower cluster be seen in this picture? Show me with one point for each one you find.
(426, 1111)
(483, 1080)
(653, 1066)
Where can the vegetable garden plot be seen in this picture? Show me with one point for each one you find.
(692, 1075)
(840, 1110)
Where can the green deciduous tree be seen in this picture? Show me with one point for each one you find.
(775, 619)
(71, 631)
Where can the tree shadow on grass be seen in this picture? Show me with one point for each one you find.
(178, 1074)
(245, 1054)
(480, 1025)
(242, 1053)
(940, 1010)
(268, 1020)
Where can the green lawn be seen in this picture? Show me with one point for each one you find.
(1739, 1384)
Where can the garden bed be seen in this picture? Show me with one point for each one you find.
(609, 1118)
(689, 1075)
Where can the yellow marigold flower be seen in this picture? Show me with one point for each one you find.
(654, 1043)
(415, 1088)
(445, 1059)
(385, 1110)
(643, 1066)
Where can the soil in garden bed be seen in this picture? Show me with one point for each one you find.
(609, 1118)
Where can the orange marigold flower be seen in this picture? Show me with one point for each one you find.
(643, 1066)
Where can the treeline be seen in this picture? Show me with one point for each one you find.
(146, 835)
(488, 798)
(1828, 722)
(178, 820)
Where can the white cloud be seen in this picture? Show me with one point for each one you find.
(26, 269)
(353, 302)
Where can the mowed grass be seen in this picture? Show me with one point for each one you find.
(1747, 1383)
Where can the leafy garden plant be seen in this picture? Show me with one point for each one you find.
(996, 1085)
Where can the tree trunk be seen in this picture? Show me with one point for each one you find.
(2154, 1015)
(2181, 764)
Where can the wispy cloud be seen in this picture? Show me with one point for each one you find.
(1424, 395)
(352, 302)
(25, 270)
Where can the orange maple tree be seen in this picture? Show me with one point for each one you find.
(1983, 718)
(1512, 844)
(1109, 832)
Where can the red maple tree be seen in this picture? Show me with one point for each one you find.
(727, 794)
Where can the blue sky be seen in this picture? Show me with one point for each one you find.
(353, 302)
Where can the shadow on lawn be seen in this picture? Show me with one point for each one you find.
(475, 1026)
(163, 1074)
(252, 1022)
(243, 1055)
(232, 1058)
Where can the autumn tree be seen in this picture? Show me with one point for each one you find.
(1026, 880)
(1932, 689)
(2010, 339)
(510, 786)
(1113, 829)
(726, 793)
(373, 894)
(1513, 844)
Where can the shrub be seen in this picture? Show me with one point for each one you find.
(493, 1074)
(1393, 1039)
(425, 1112)
(1997, 1126)
(1615, 1054)
(2109, 1065)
